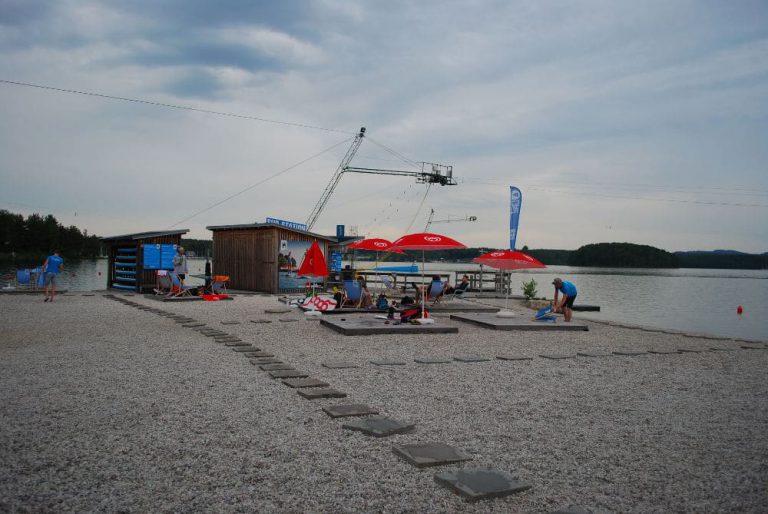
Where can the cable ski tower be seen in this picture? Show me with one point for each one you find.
(430, 173)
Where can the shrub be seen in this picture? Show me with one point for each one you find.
(529, 289)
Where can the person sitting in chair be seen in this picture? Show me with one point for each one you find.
(366, 301)
(460, 288)
(434, 290)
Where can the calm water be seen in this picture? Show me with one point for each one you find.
(693, 300)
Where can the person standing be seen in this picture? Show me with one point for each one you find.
(569, 295)
(180, 263)
(51, 267)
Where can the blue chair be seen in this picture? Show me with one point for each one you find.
(435, 291)
(178, 289)
(23, 278)
(353, 293)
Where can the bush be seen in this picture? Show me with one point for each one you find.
(529, 289)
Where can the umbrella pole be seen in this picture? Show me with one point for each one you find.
(423, 287)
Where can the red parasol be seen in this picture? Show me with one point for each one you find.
(508, 259)
(374, 244)
(425, 241)
(313, 264)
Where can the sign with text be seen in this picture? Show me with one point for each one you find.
(287, 224)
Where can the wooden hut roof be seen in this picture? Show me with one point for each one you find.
(146, 235)
(272, 225)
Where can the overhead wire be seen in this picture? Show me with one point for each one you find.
(416, 215)
(275, 175)
(173, 106)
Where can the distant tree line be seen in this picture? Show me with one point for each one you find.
(614, 255)
(201, 247)
(36, 236)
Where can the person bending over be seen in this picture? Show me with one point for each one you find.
(569, 295)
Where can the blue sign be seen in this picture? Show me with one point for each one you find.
(159, 256)
(335, 261)
(340, 232)
(515, 202)
(287, 224)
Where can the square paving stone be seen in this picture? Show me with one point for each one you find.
(193, 325)
(259, 362)
(275, 367)
(261, 321)
(663, 351)
(379, 426)
(630, 353)
(593, 354)
(471, 358)
(240, 343)
(388, 363)
(431, 360)
(321, 392)
(556, 356)
(514, 357)
(230, 322)
(339, 365)
(353, 409)
(288, 373)
(479, 483)
(423, 455)
(254, 354)
(277, 311)
(266, 355)
(242, 349)
(300, 383)
(360, 326)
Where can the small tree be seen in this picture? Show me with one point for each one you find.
(529, 289)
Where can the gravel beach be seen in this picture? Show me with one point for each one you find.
(106, 407)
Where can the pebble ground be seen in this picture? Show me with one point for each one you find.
(109, 408)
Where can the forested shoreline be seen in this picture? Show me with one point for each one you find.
(34, 237)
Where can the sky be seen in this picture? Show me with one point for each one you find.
(620, 121)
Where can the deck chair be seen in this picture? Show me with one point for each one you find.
(23, 278)
(177, 288)
(164, 284)
(387, 285)
(435, 291)
(219, 284)
(460, 291)
(353, 294)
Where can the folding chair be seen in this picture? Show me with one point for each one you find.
(460, 291)
(164, 284)
(435, 291)
(353, 293)
(219, 284)
(23, 278)
(177, 288)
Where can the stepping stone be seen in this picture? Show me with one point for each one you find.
(287, 373)
(379, 426)
(214, 334)
(193, 325)
(183, 320)
(241, 349)
(317, 393)
(240, 343)
(259, 362)
(479, 483)
(230, 322)
(339, 365)
(753, 347)
(471, 358)
(691, 350)
(593, 354)
(663, 351)
(277, 366)
(277, 311)
(265, 355)
(436, 360)
(388, 363)
(261, 321)
(254, 354)
(300, 383)
(722, 349)
(514, 357)
(287, 320)
(354, 409)
(630, 353)
(556, 356)
(430, 454)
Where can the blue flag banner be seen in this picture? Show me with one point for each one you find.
(515, 202)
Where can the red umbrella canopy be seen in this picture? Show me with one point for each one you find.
(508, 259)
(373, 244)
(313, 264)
(426, 241)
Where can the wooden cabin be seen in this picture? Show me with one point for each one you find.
(264, 257)
(135, 258)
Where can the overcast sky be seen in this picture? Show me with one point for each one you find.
(643, 122)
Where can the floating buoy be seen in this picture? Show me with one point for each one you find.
(739, 310)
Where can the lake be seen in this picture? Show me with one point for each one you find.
(692, 300)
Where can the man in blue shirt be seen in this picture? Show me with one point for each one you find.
(51, 268)
(569, 295)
